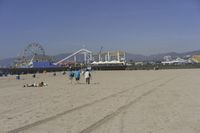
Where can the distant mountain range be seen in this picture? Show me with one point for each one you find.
(6, 62)
(159, 57)
(129, 57)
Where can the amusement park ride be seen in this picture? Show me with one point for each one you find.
(34, 52)
(86, 53)
(33, 56)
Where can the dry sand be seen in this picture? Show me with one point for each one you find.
(166, 101)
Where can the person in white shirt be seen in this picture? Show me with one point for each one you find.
(87, 76)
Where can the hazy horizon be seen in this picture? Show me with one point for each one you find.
(70, 52)
(135, 26)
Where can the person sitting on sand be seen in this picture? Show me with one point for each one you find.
(64, 73)
(54, 74)
(41, 84)
(34, 76)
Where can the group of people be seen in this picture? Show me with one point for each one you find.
(40, 84)
(77, 74)
(72, 75)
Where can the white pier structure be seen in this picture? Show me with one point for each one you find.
(111, 58)
(86, 53)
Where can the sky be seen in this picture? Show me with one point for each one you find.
(135, 26)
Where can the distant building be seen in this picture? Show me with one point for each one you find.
(42, 64)
(108, 63)
(167, 58)
(177, 61)
(109, 58)
(139, 63)
(39, 64)
(196, 58)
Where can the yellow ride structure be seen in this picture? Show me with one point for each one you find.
(196, 58)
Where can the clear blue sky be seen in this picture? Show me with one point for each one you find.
(136, 26)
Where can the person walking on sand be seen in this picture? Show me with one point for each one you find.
(77, 75)
(87, 76)
(71, 75)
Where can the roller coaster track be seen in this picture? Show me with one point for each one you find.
(75, 53)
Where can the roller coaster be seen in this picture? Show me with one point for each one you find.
(86, 53)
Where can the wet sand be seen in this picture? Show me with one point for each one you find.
(164, 101)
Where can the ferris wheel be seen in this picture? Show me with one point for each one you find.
(34, 51)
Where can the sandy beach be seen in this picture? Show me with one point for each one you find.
(164, 101)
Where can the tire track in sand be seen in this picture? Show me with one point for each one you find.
(122, 109)
(34, 124)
